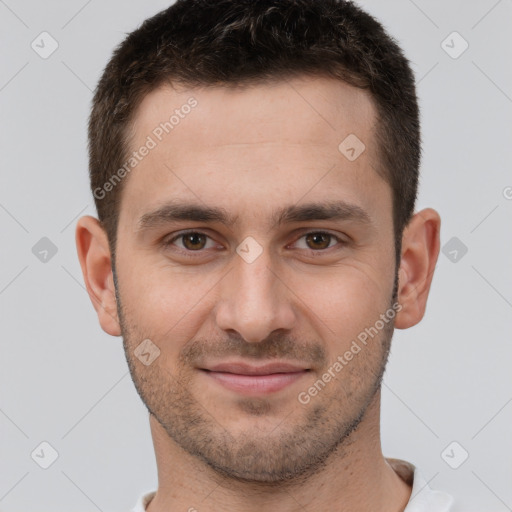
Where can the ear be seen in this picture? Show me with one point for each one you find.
(95, 260)
(420, 249)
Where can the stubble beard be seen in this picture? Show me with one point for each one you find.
(303, 438)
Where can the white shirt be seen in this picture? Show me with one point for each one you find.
(423, 498)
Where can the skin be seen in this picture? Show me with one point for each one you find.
(303, 300)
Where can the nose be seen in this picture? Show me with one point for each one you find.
(254, 299)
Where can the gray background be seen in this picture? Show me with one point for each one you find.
(66, 382)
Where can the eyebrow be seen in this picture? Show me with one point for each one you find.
(178, 211)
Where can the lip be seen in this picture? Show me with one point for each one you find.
(248, 369)
(255, 380)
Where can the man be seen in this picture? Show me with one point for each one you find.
(255, 170)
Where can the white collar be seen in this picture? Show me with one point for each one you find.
(423, 498)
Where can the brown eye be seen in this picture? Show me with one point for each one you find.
(189, 242)
(318, 240)
(193, 241)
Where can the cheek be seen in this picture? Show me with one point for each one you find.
(165, 306)
(344, 303)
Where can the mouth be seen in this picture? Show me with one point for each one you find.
(255, 380)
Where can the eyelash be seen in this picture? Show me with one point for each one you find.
(193, 254)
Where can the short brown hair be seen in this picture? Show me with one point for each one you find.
(216, 42)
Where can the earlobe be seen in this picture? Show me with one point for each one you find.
(420, 250)
(95, 261)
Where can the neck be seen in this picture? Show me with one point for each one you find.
(356, 476)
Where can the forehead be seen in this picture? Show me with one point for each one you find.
(263, 113)
(252, 145)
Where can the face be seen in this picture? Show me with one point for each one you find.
(248, 238)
